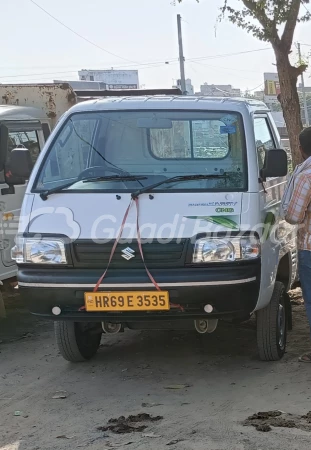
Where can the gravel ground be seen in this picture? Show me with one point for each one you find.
(204, 387)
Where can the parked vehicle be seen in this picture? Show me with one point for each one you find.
(19, 127)
(27, 114)
(158, 212)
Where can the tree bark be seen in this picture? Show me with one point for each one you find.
(288, 76)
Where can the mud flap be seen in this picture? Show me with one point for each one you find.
(288, 311)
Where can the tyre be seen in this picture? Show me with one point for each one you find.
(76, 341)
(272, 326)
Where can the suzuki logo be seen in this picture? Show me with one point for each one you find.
(128, 253)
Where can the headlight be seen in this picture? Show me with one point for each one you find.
(39, 251)
(227, 249)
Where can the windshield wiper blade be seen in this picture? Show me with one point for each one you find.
(177, 179)
(115, 178)
(44, 195)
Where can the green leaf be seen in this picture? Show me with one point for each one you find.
(217, 220)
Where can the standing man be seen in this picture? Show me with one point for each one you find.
(296, 204)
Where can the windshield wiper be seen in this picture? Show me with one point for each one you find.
(44, 195)
(177, 179)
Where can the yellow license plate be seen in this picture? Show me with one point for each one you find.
(127, 301)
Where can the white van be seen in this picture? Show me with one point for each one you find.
(158, 212)
(23, 127)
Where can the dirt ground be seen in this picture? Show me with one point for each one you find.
(204, 387)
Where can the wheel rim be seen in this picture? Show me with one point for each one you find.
(281, 325)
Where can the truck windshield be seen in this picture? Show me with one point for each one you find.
(154, 145)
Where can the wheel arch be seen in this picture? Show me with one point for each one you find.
(285, 271)
(286, 274)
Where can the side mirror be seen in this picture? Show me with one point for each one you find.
(275, 164)
(19, 167)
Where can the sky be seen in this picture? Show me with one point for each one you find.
(141, 33)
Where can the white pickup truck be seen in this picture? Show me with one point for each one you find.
(179, 198)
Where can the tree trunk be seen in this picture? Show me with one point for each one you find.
(288, 77)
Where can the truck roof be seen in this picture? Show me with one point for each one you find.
(171, 102)
(12, 112)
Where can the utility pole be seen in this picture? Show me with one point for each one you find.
(181, 57)
(305, 105)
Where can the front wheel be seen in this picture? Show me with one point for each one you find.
(76, 341)
(272, 326)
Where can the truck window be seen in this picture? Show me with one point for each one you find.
(155, 144)
(264, 139)
(71, 152)
(27, 139)
(191, 139)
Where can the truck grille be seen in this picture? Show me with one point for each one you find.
(156, 254)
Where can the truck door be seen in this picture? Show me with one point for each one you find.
(27, 134)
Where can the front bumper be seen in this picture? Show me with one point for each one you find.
(231, 289)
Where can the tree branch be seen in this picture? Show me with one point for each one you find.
(267, 24)
(288, 33)
(300, 69)
(258, 13)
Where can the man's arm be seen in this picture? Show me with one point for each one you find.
(300, 200)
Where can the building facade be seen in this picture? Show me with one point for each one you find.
(189, 86)
(114, 79)
(219, 90)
